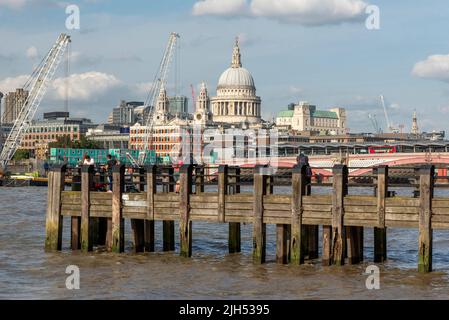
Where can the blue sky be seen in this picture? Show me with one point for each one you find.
(314, 50)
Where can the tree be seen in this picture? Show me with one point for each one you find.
(21, 154)
(82, 143)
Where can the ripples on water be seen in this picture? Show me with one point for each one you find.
(27, 272)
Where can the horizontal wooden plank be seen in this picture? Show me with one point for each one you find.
(401, 217)
(167, 217)
(360, 223)
(401, 202)
(137, 209)
(207, 218)
(440, 203)
(317, 199)
(71, 207)
(317, 221)
(276, 220)
(440, 218)
(277, 213)
(278, 206)
(239, 198)
(204, 205)
(138, 196)
(239, 205)
(360, 215)
(102, 202)
(71, 213)
(402, 210)
(361, 209)
(172, 205)
(100, 208)
(166, 211)
(166, 197)
(277, 199)
(440, 211)
(204, 197)
(440, 225)
(239, 212)
(101, 196)
(317, 207)
(356, 200)
(205, 212)
(135, 203)
(316, 214)
(235, 218)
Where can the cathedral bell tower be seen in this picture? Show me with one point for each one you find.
(202, 111)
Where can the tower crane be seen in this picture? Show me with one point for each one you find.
(159, 79)
(389, 125)
(374, 122)
(37, 86)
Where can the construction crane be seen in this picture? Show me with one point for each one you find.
(159, 79)
(36, 85)
(374, 122)
(389, 125)
(193, 96)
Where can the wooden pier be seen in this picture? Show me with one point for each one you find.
(97, 218)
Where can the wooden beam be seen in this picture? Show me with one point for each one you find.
(199, 179)
(259, 228)
(327, 246)
(75, 223)
(87, 174)
(54, 220)
(149, 222)
(298, 191)
(138, 225)
(185, 224)
(425, 241)
(168, 226)
(380, 232)
(222, 191)
(234, 236)
(118, 226)
(340, 189)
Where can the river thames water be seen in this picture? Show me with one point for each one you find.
(28, 272)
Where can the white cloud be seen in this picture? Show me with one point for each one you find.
(32, 53)
(310, 12)
(11, 84)
(84, 86)
(220, 7)
(434, 67)
(303, 12)
(13, 4)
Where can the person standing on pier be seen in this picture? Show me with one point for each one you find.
(302, 159)
(110, 163)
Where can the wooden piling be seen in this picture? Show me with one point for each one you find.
(168, 226)
(234, 236)
(199, 179)
(425, 241)
(282, 235)
(340, 185)
(327, 246)
(118, 226)
(138, 225)
(298, 191)
(185, 224)
(222, 191)
(149, 222)
(75, 222)
(259, 228)
(53, 224)
(87, 174)
(380, 232)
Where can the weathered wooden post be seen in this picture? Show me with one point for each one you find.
(426, 184)
(340, 188)
(53, 225)
(185, 224)
(118, 225)
(222, 191)
(299, 183)
(234, 239)
(87, 174)
(138, 225)
(75, 222)
(380, 232)
(149, 222)
(168, 226)
(199, 179)
(259, 228)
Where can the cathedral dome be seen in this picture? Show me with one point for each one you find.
(236, 78)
